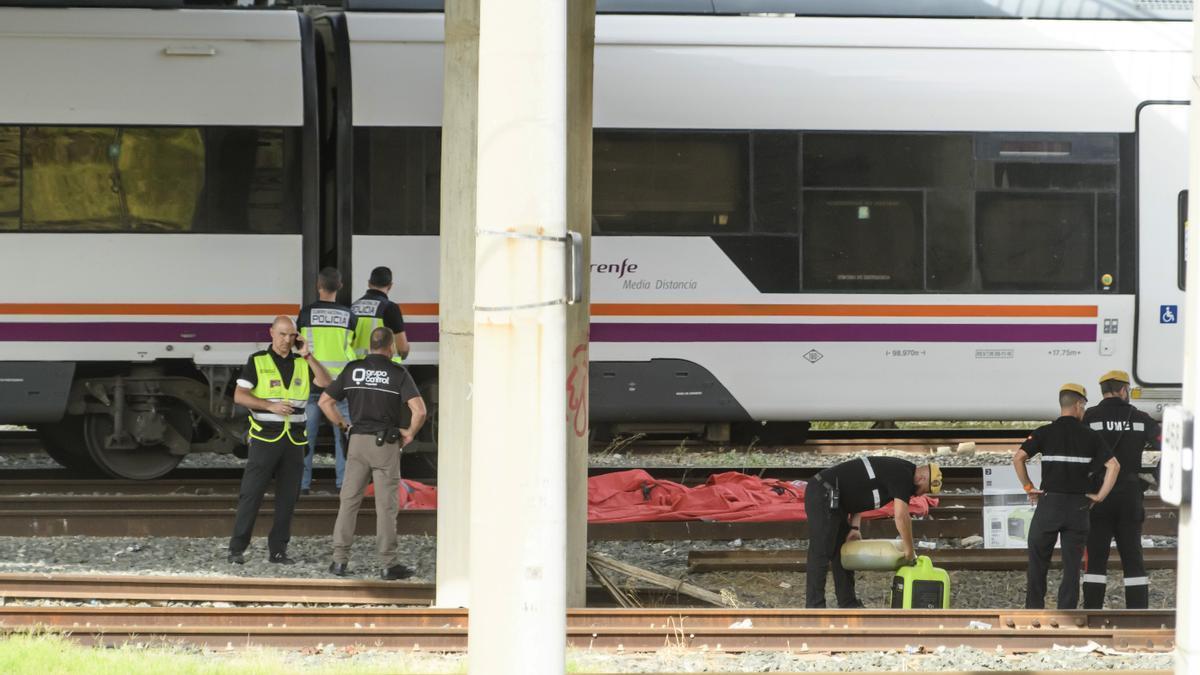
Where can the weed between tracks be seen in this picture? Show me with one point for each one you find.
(52, 653)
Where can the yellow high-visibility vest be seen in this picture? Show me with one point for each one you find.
(271, 387)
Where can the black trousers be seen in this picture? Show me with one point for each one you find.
(283, 461)
(827, 530)
(1120, 515)
(1056, 514)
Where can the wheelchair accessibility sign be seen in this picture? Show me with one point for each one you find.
(1168, 314)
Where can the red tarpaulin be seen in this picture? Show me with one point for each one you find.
(636, 496)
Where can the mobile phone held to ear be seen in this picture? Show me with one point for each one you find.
(298, 343)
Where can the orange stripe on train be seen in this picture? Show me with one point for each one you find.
(598, 309)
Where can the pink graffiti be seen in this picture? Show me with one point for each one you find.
(577, 390)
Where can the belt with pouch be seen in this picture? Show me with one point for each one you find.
(834, 492)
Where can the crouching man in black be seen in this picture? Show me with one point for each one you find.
(835, 500)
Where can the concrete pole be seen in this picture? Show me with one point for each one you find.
(456, 317)
(581, 45)
(518, 486)
(1187, 582)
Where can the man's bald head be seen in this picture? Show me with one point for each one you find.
(283, 334)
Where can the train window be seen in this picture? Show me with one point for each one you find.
(10, 178)
(949, 257)
(397, 180)
(887, 160)
(1106, 241)
(670, 182)
(252, 181)
(1054, 176)
(1183, 238)
(158, 179)
(863, 239)
(1036, 241)
(775, 182)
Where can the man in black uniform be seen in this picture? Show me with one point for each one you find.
(1127, 431)
(388, 412)
(274, 386)
(374, 309)
(1070, 452)
(834, 502)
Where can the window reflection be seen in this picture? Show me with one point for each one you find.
(10, 177)
(148, 179)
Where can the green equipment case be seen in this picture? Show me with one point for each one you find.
(1018, 523)
(921, 586)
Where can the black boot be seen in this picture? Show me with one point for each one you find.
(236, 558)
(395, 572)
(338, 569)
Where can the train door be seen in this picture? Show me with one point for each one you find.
(1162, 161)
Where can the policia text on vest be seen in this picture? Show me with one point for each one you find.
(274, 386)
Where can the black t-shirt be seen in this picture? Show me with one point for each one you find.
(375, 303)
(286, 366)
(1070, 452)
(893, 479)
(378, 391)
(1126, 431)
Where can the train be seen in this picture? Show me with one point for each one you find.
(802, 210)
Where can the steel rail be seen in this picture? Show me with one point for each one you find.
(629, 630)
(793, 560)
(201, 515)
(25, 481)
(261, 591)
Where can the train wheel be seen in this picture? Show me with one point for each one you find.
(143, 462)
(63, 441)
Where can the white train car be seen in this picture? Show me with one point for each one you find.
(936, 216)
(834, 217)
(158, 207)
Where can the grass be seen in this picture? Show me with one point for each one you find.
(51, 653)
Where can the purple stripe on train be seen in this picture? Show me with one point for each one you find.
(600, 332)
(134, 331)
(841, 332)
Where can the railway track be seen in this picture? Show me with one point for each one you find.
(725, 630)
(215, 481)
(263, 591)
(205, 507)
(194, 518)
(919, 441)
(793, 560)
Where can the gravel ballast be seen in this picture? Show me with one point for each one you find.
(206, 557)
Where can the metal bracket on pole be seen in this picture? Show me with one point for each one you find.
(1178, 456)
(573, 272)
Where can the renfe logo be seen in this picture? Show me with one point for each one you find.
(625, 267)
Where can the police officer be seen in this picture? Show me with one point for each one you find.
(388, 412)
(1070, 452)
(373, 310)
(1127, 431)
(328, 328)
(834, 502)
(274, 386)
